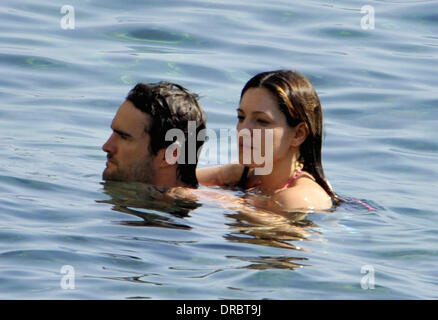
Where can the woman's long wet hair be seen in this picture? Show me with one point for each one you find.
(298, 101)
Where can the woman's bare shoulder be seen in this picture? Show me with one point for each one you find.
(304, 194)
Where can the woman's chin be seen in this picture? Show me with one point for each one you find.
(249, 161)
(250, 164)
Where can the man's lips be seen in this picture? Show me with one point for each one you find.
(110, 160)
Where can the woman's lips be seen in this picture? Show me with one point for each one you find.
(247, 147)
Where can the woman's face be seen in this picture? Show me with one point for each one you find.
(259, 111)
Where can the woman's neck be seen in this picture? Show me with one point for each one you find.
(281, 173)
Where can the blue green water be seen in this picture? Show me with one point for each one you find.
(59, 90)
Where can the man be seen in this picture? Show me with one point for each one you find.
(136, 150)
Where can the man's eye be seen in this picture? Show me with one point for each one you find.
(240, 118)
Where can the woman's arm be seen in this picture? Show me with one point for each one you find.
(220, 175)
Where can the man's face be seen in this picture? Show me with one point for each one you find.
(127, 148)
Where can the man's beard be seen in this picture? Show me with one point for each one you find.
(139, 172)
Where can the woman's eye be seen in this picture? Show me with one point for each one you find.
(263, 122)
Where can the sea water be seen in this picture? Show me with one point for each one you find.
(65, 234)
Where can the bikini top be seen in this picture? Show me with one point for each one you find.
(242, 182)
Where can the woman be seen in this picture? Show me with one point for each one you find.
(286, 103)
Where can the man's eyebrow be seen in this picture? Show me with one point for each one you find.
(122, 133)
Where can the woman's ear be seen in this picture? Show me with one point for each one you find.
(300, 133)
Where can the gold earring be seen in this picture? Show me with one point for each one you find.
(299, 164)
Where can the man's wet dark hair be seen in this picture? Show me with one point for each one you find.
(170, 106)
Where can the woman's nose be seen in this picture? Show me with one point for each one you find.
(245, 124)
(246, 133)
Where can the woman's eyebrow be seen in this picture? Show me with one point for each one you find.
(241, 110)
(254, 112)
(259, 112)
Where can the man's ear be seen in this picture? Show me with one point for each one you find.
(299, 135)
(168, 156)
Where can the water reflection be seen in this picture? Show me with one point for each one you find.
(140, 199)
(278, 235)
(265, 263)
(259, 221)
(269, 228)
(249, 224)
(255, 224)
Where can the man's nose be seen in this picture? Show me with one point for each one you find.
(110, 146)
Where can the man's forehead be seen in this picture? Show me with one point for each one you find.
(129, 118)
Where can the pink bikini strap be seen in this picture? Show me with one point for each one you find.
(288, 183)
(295, 177)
